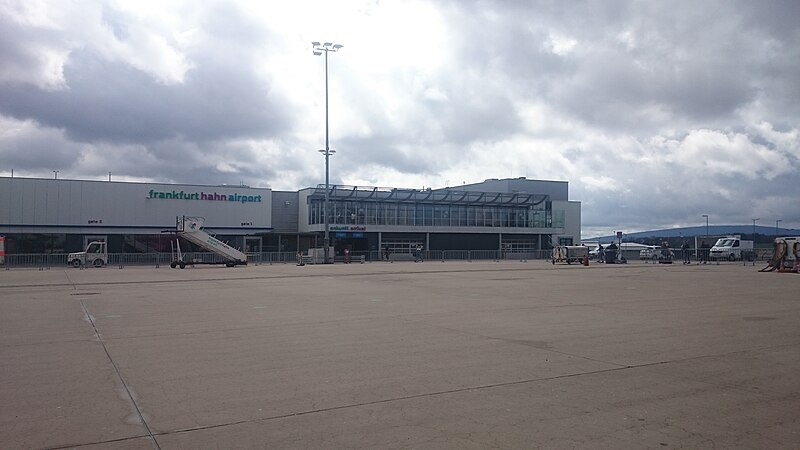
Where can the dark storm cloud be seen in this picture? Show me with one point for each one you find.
(682, 200)
(35, 151)
(175, 161)
(475, 112)
(107, 115)
(380, 150)
(111, 101)
(777, 18)
(681, 63)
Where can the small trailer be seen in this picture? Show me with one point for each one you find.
(570, 253)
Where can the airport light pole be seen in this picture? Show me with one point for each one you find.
(319, 49)
(776, 226)
(754, 229)
(706, 216)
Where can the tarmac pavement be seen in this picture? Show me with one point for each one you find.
(400, 355)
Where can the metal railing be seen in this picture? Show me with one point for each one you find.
(469, 255)
(703, 256)
(45, 261)
(49, 260)
(40, 260)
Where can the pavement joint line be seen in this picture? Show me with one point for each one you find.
(429, 394)
(738, 387)
(620, 365)
(119, 375)
(407, 397)
(66, 275)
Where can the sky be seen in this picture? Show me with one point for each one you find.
(655, 112)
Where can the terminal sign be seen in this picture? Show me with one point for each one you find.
(348, 228)
(208, 196)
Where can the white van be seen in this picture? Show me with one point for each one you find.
(732, 248)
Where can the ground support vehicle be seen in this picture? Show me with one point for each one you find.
(649, 253)
(96, 254)
(190, 228)
(732, 248)
(792, 251)
(570, 253)
(664, 255)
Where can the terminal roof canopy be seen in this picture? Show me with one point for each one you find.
(448, 196)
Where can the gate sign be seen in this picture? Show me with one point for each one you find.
(619, 234)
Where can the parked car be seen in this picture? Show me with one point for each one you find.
(664, 255)
(648, 253)
(661, 254)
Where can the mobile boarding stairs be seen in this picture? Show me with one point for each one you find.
(191, 229)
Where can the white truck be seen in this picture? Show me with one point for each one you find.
(96, 254)
(732, 248)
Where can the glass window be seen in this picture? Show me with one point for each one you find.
(372, 211)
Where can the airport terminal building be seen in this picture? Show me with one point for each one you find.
(61, 215)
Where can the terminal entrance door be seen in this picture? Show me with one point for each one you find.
(402, 245)
(357, 243)
(252, 244)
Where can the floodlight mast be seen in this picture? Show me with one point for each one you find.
(754, 229)
(318, 50)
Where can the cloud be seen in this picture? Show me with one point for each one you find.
(667, 181)
(601, 183)
(734, 155)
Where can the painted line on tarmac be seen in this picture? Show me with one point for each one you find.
(119, 375)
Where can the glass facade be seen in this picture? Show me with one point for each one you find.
(441, 208)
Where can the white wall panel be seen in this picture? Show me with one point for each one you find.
(73, 203)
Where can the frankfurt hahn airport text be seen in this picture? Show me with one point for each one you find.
(213, 196)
